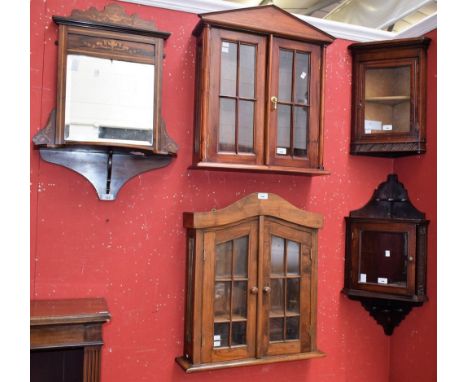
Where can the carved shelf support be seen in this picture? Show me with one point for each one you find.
(106, 168)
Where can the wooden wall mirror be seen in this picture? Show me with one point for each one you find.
(108, 98)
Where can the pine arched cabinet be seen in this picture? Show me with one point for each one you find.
(251, 284)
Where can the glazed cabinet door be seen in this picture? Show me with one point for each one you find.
(384, 257)
(287, 293)
(230, 293)
(294, 110)
(236, 104)
(385, 101)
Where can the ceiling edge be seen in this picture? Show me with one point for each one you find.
(336, 29)
(424, 26)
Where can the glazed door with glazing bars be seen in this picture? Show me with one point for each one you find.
(230, 298)
(286, 305)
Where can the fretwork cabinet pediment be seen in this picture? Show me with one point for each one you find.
(251, 284)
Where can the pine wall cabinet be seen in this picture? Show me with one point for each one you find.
(251, 284)
(260, 80)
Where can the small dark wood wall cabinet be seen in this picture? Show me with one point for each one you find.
(251, 284)
(107, 125)
(389, 97)
(259, 101)
(66, 339)
(386, 246)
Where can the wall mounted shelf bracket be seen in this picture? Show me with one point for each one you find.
(106, 168)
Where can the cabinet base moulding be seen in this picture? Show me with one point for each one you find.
(258, 168)
(190, 368)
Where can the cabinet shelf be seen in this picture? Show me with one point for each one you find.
(281, 314)
(226, 318)
(388, 100)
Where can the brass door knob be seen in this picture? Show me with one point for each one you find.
(254, 290)
(266, 289)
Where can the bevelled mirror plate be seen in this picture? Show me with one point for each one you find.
(109, 101)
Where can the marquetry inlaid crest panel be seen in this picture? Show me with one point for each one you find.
(113, 14)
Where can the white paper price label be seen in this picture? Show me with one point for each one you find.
(263, 195)
(362, 278)
(382, 280)
(387, 253)
(281, 151)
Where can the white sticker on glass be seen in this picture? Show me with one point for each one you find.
(382, 280)
(387, 253)
(303, 75)
(387, 127)
(362, 278)
(281, 150)
(263, 195)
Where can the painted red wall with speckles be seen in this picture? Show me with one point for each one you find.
(132, 251)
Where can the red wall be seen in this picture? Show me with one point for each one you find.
(413, 346)
(132, 251)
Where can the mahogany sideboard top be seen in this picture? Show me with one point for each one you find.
(69, 322)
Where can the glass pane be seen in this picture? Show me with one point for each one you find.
(222, 300)
(223, 259)
(300, 131)
(302, 78)
(239, 299)
(109, 101)
(284, 130)
(383, 258)
(239, 330)
(293, 258)
(292, 328)
(293, 296)
(221, 334)
(277, 255)
(246, 126)
(285, 75)
(276, 329)
(387, 100)
(228, 68)
(247, 71)
(227, 125)
(277, 297)
(240, 256)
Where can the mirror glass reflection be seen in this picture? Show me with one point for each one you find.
(109, 101)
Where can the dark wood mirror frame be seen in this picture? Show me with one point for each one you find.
(110, 34)
(386, 250)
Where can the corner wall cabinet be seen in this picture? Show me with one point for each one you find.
(107, 125)
(386, 250)
(251, 284)
(389, 97)
(260, 80)
(66, 339)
